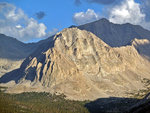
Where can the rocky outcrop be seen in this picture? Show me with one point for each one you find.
(80, 65)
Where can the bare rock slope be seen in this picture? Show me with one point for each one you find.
(80, 65)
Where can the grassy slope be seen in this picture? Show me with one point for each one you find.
(39, 103)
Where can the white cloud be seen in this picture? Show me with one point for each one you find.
(119, 12)
(128, 12)
(14, 22)
(85, 17)
(52, 32)
(18, 26)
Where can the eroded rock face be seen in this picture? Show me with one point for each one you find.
(82, 66)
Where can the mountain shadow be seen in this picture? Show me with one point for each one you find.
(111, 105)
(11, 76)
(119, 105)
(141, 108)
(144, 50)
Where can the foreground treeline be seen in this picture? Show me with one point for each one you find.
(39, 103)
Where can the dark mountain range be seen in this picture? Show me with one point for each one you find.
(11, 48)
(13, 52)
(116, 34)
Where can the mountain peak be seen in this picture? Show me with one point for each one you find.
(81, 66)
(103, 20)
(77, 39)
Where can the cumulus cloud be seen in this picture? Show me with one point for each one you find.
(14, 22)
(40, 14)
(52, 32)
(119, 11)
(85, 17)
(129, 12)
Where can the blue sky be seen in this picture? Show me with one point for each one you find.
(60, 14)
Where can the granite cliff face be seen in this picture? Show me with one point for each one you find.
(80, 65)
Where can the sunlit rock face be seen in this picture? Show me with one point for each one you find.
(80, 65)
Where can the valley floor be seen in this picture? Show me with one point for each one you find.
(46, 103)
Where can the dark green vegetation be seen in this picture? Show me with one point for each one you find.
(47, 103)
(39, 103)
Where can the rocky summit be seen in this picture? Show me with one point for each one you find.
(80, 65)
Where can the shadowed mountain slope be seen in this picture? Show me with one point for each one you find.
(142, 46)
(11, 48)
(13, 52)
(116, 34)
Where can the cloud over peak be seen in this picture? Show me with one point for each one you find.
(119, 12)
(85, 17)
(127, 12)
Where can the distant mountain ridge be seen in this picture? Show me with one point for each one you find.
(11, 48)
(115, 35)
(13, 52)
